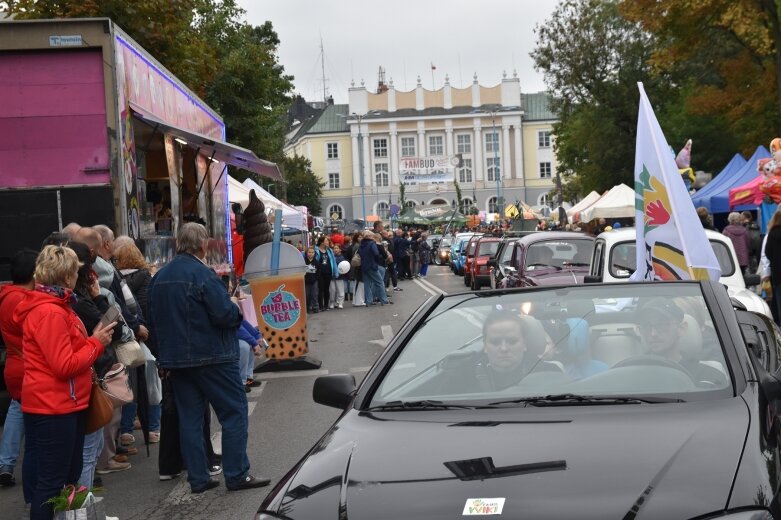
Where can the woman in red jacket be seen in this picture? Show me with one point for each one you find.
(58, 356)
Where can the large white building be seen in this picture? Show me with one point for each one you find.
(503, 139)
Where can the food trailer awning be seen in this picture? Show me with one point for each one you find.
(219, 150)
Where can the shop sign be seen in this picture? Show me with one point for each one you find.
(73, 40)
(280, 309)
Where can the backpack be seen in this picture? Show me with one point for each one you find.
(356, 261)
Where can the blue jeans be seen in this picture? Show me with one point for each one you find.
(194, 389)
(129, 414)
(93, 445)
(246, 361)
(375, 288)
(13, 432)
(53, 454)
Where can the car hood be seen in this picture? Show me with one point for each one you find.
(750, 299)
(553, 277)
(662, 460)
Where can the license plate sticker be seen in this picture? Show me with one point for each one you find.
(483, 506)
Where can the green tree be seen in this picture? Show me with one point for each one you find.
(459, 198)
(304, 188)
(402, 195)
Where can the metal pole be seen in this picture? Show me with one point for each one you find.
(496, 164)
(360, 167)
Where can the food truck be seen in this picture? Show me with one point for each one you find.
(94, 130)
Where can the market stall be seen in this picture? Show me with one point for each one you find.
(716, 198)
(619, 202)
(574, 212)
(291, 216)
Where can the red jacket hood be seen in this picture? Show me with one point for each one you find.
(36, 297)
(10, 291)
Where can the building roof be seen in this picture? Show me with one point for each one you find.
(437, 111)
(536, 107)
(332, 120)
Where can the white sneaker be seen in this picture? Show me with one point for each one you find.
(340, 306)
(330, 306)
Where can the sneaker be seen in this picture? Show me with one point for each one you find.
(250, 482)
(398, 289)
(120, 458)
(127, 450)
(251, 382)
(154, 437)
(113, 467)
(126, 439)
(170, 477)
(340, 306)
(216, 469)
(330, 306)
(7, 478)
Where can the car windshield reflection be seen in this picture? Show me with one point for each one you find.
(655, 343)
(559, 254)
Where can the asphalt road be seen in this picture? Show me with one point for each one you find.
(284, 422)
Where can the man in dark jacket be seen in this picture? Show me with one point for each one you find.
(370, 262)
(195, 324)
(755, 239)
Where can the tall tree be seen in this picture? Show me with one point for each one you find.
(304, 188)
(733, 51)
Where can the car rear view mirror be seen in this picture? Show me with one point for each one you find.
(334, 390)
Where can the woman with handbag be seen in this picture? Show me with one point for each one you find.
(137, 275)
(90, 305)
(57, 377)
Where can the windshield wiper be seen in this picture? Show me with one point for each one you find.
(574, 399)
(426, 404)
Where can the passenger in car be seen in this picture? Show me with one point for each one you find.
(576, 351)
(662, 328)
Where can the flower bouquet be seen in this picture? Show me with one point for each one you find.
(77, 503)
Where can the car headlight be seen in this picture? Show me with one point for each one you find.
(753, 514)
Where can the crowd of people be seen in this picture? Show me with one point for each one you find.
(364, 268)
(58, 345)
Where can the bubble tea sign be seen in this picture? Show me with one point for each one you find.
(278, 295)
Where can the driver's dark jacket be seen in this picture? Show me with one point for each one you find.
(192, 316)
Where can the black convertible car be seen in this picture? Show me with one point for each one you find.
(634, 401)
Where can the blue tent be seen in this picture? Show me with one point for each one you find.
(716, 200)
(720, 179)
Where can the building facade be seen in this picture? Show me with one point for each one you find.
(495, 141)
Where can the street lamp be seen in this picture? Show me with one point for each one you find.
(360, 162)
(497, 170)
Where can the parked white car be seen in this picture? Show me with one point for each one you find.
(614, 260)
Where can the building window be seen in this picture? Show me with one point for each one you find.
(408, 147)
(545, 170)
(466, 203)
(333, 181)
(543, 200)
(492, 206)
(492, 142)
(410, 203)
(381, 175)
(492, 168)
(463, 143)
(336, 212)
(333, 150)
(465, 173)
(381, 147)
(435, 146)
(543, 139)
(382, 210)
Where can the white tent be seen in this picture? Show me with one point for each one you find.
(590, 199)
(237, 192)
(619, 202)
(291, 217)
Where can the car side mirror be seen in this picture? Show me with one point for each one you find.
(751, 279)
(334, 390)
(590, 278)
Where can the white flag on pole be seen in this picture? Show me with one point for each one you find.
(671, 243)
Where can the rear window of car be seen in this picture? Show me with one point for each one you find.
(487, 248)
(470, 251)
(623, 261)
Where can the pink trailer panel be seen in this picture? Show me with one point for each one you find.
(53, 119)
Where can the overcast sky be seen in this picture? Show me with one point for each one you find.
(460, 37)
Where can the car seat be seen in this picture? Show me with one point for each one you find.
(612, 343)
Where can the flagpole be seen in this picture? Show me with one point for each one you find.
(433, 88)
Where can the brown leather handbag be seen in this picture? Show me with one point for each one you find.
(100, 409)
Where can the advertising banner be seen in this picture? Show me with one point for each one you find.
(426, 170)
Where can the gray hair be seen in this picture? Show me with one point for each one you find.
(191, 237)
(733, 218)
(105, 232)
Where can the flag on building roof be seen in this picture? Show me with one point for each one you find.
(671, 243)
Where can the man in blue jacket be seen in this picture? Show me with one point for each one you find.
(195, 323)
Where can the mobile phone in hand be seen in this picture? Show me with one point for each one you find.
(111, 315)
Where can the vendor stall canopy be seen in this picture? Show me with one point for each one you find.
(715, 195)
(619, 202)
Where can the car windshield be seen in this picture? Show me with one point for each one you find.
(623, 260)
(593, 340)
(559, 254)
(507, 253)
(487, 248)
(470, 250)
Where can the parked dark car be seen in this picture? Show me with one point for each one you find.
(441, 254)
(549, 258)
(501, 261)
(468, 254)
(448, 422)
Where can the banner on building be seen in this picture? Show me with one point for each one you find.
(437, 169)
